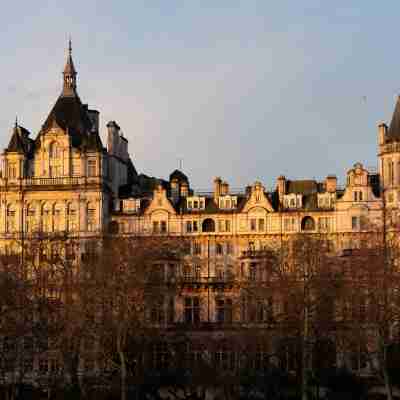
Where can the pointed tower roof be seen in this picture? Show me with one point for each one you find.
(394, 127)
(69, 66)
(70, 115)
(69, 84)
(20, 141)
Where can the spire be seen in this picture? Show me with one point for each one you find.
(69, 87)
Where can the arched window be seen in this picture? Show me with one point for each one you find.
(208, 225)
(58, 217)
(54, 150)
(30, 218)
(307, 224)
(46, 218)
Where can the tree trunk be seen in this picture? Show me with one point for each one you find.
(305, 355)
(385, 372)
(121, 356)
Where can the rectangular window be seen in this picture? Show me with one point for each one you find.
(156, 227)
(227, 225)
(91, 219)
(12, 170)
(92, 167)
(190, 205)
(221, 226)
(197, 249)
(201, 204)
(261, 225)
(192, 310)
(76, 168)
(289, 224)
(189, 226)
(354, 223)
(195, 226)
(195, 204)
(224, 310)
(163, 226)
(253, 224)
(253, 272)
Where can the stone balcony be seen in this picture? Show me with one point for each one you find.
(49, 182)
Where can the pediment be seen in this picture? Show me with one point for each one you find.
(257, 200)
(160, 203)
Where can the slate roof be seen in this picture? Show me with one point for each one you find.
(20, 141)
(303, 187)
(72, 116)
(177, 174)
(393, 132)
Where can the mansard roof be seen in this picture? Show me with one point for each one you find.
(394, 127)
(306, 186)
(20, 141)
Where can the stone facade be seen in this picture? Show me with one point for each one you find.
(66, 181)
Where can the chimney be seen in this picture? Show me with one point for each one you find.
(382, 131)
(94, 119)
(217, 189)
(331, 183)
(281, 187)
(224, 188)
(113, 138)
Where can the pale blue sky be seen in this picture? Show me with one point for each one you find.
(242, 89)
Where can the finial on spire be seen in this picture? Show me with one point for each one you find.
(70, 46)
(16, 121)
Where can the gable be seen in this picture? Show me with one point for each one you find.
(257, 199)
(160, 202)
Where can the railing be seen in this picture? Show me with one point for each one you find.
(57, 181)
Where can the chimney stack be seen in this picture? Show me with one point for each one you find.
(331, 183)
(281, 187)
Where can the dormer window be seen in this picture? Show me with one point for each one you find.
(195, 203)
(227, 202)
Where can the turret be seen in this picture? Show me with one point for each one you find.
(69, 84)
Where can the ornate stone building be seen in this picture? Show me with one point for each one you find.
(66, 180)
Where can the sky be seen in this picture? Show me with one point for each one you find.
(246, 90)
